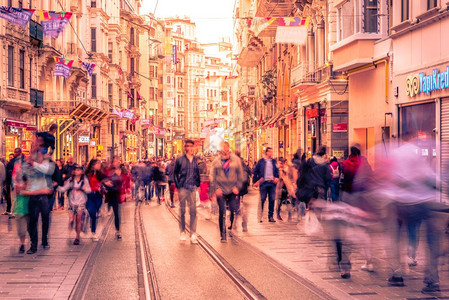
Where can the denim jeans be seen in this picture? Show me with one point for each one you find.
(38, 204)
(187, 197)
(335, 189)
(267, 189)
(233, 206)
(94, 201)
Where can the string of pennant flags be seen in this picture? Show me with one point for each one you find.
(53, 22)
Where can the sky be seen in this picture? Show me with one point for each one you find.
(213, 18)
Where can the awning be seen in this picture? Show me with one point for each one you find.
(16, 123)
(90, 114)
(273, 119)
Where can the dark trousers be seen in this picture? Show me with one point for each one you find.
(94, 201)
(232, 202)
(115, 207)
(147, 187)
(8, 198)
(38, 204)
(268, 189)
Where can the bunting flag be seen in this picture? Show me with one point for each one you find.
(138, 96)
(88, 66)
(175, 55)
(62, 67)
(18, 16)
(54, 22)
(130, 96)
(260, 24)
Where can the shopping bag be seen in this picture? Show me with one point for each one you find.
(84, 221)
(312, 225)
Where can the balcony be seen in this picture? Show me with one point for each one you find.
(252, 53)
(308, 74)
(37, 98)
(36, 33)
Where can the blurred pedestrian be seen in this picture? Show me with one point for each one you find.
(226, 178)
(241, 207)
(335, 181)
(266, 175)
(114, 183)
(8, 181)
(169, 172)
(94, 198)
(187, 180)
(77, 188)
(21, 211)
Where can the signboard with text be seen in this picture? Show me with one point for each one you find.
(340, 127)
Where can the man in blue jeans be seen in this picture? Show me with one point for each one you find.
(266, 175)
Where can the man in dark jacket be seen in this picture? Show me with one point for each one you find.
(266, 175)
(187, 180)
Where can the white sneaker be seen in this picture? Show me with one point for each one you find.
(95, 237)
(194, 239)
(368, 267)
(183, 236)
(412, 262)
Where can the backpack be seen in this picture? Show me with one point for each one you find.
(335, 172)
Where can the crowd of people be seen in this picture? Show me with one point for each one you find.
(336, 198)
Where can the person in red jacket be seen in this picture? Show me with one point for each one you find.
(94, 198)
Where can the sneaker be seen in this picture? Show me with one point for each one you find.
(76, 242)
(46, 246)
(95, 237)
(280, 218)
(5, 213)
(11, 216)
(172, 206)
(395, 281)
(367, 267)
(271, 220)
(345, 275)
(412, 262)
(230, 233)
(223, 239)
(183, 236)
(431, 288)
(31, 251)
(22, 249)
(194, 239)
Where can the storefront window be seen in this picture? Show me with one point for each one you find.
(418, 124)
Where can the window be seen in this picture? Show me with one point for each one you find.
(131, 40)
(431, 4)
(20, 4)
(110, 96)
(215, 93)
(93, 3)
(9, 3)
(110, 45)
(22, 69)
(168, 79)
(93, 39)
(371, 18)
(131, 99)
(161, 94)
(10, 65)
(405, 7)
(132, 66)
(151, 93)
(180, 83)
(94, 86)
(120, 92)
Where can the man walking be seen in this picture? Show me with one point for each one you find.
(9, 183)
(187, 180)
(226, 179)
(266, 175)
(38, 168)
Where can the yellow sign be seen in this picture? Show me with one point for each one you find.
(412, 85)
(338, 154)
(99, 147)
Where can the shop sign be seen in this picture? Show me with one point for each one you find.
(31, 127)
(14, 123)
(423, 83)
(338, 153)
(340, 127)
(178, 137)
(83, 140)
(145, 122)
(313, 113)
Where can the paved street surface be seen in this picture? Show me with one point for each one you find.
(309, 257)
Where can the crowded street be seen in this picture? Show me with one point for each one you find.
(224, 149)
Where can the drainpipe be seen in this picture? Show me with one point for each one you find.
(374, 64)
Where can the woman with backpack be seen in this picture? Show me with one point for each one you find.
(95, 197)
(77, 188)
(334, 167)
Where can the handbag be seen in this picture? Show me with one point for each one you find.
(312, 226)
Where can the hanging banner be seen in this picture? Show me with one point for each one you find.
(294, 21)
(291, 35)
(62, 67)
(54, 22)
(88, 66)
(168, 47)
(257, 25)
(18, 16)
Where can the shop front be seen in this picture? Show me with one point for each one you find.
(18, 134)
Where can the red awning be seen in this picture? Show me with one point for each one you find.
(16, 123)
(31, 127)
